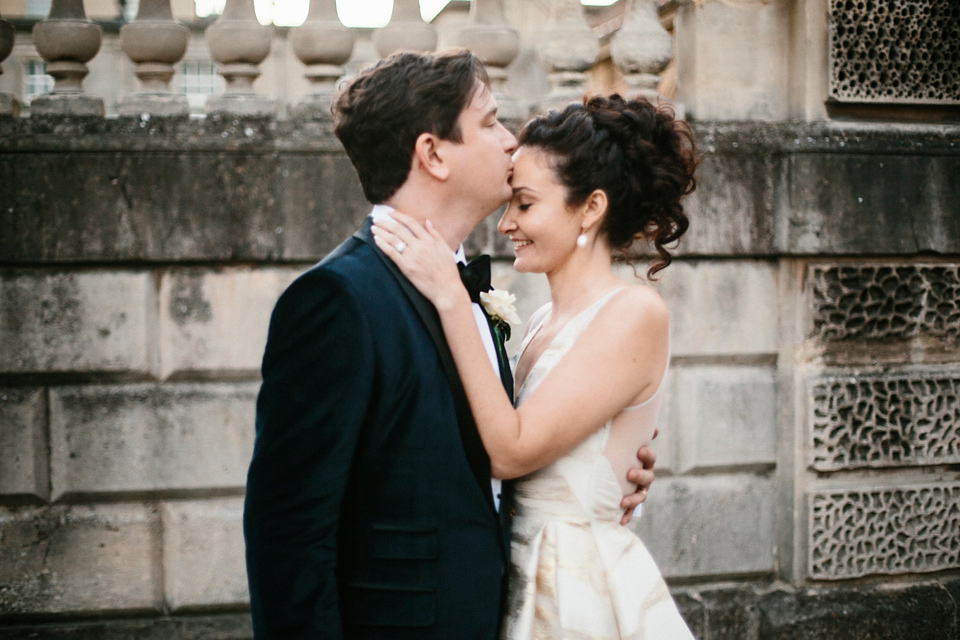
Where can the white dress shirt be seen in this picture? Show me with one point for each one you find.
(384, 211)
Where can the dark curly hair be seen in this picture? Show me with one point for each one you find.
(639, 154)
(380, 112)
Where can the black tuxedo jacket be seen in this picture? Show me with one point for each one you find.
(368, 511)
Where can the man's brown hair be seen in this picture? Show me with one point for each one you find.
(382, 111)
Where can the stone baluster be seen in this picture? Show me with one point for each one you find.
(642, 48)
(155, 42)
(568, 48)
(239, 43)
(407, 31)
(9, 105)
(496, 44)
(323, 44)
(67, 41)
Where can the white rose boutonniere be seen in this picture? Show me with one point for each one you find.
(498, 303)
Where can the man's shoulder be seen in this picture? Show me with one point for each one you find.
(353, 269)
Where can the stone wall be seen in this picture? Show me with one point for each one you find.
(808, 458)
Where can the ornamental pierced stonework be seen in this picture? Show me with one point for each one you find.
(884, 531)
(895, 51)
(887, 420)
(885, 301)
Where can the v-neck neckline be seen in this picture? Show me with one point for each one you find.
(529, 338)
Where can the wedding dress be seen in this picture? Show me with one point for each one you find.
(576, 572)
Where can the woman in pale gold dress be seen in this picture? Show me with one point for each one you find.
(587, 182)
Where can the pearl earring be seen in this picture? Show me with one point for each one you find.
(582, 240)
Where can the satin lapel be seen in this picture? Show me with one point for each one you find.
(472, 445)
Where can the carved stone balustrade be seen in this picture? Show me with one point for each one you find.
(154, 42)
(406, 31)
(642, 49)
(569, 49)
(67, 41)
(9, 105)
(239, 43)
(323, 44)
(496, 43)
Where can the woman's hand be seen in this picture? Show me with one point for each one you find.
(424, 258)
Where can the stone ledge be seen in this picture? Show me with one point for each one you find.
(764, 611)
(228, 626)
(240, 190)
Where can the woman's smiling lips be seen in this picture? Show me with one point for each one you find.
(520, 244)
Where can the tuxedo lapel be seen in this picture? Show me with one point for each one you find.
(472, 444)
(503, 363)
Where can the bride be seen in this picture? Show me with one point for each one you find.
(588, 181)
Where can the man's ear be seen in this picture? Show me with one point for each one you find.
(427, 152)
(594, 208)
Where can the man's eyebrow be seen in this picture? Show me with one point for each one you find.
(491, 113)
(523, 188)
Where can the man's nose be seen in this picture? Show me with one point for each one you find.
(509, 142)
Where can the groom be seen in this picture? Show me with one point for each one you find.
(370, 511)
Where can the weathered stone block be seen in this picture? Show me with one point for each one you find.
(731, 210)
(720, 308)
(884, 301)
(906, 418)
(203, 553)
(216, 320)
(842, 202)
(901, 530)
(724, 416)
(925, 611)
(720, 47)
(72, 322)
(720, 525)
(23, 442)
(79, 559)
(320, 204)
(150, 437)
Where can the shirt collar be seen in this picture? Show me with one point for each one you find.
(381, 211)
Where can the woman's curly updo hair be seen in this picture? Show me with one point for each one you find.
(639, 154)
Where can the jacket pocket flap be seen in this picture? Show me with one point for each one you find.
(384, 605)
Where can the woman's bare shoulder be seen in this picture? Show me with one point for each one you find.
(638, 306)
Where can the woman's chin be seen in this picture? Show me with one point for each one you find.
(523, 266)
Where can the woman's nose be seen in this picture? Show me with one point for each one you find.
(506, 224)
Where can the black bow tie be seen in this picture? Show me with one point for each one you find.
(476, 276)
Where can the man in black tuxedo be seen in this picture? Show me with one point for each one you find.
(370, 511)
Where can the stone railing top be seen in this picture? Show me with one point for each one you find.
(229, 132)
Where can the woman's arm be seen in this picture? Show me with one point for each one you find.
(608, 367)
